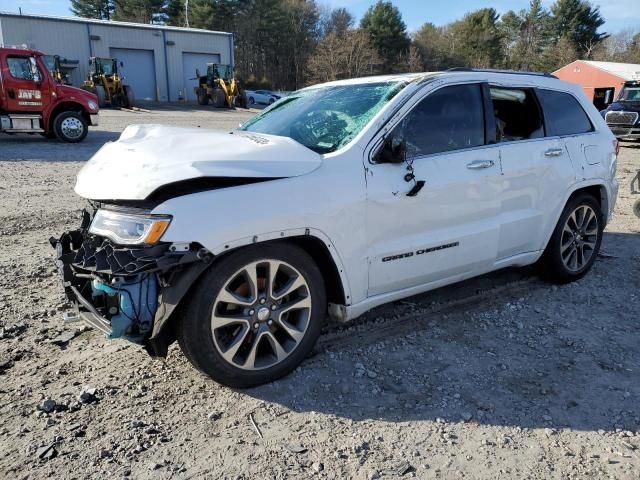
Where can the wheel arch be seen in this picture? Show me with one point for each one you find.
(66, 106)
(316, 245)
(596, 189)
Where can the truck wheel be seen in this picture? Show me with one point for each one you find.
(218, 98)
(636, 208)
(575, 242)
(128, 98)
(70, 127)
(203, 98)
(241, 100)
(102, 96)
(255, 315)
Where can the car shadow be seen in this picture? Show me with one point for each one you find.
(545, 357)
(24, 147)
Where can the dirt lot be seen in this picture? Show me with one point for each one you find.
(502, 377)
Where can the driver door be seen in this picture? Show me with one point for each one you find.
(449, 229)
(27, 90)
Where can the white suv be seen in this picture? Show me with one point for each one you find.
(336, 199)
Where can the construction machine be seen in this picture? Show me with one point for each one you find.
(219, 86)
(105, 81)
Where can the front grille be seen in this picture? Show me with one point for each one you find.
(620, 131)
(621, 118)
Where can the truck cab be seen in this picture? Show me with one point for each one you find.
(623, 115)
(31, 101)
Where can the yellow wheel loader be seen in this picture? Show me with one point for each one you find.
(106, 83)
(220, 87)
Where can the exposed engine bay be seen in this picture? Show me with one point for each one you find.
(127, 291)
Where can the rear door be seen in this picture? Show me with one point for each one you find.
(26, 87)
(535, 169)
(566, 120)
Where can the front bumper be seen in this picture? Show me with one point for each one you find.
(126, 292)
(94, 119)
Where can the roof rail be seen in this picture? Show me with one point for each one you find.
(496, 70)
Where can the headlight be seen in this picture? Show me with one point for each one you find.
(128, 229)
(92, 105)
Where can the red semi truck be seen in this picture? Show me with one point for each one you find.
(32, 102)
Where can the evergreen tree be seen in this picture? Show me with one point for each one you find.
(478, 39)
(100, 9)
(339, 21)
(141, 11)
(387, 31)
(578, 22)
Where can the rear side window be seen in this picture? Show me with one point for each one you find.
(563, 114)
(516, 113)
(451, 118)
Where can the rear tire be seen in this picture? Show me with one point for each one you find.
(218, 98)
(128, 97)
(102, 96)
(70, 127)
(203, 98)
(242, 336)
(575, 242)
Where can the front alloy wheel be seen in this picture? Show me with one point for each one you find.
(254, 315)
(261, 314)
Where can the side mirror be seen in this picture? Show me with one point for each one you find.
(121, 64)
(197, 72)
(393, 150)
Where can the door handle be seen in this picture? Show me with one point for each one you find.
(553, 152)
(478, 164)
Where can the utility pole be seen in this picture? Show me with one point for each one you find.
(186, 13)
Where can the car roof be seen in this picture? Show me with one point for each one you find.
(505, 77)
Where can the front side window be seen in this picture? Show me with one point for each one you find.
(24, 68)
(563, 113)
(325, 118)
(517, 114)
(451, 118)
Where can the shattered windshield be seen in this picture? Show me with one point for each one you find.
(325, 118)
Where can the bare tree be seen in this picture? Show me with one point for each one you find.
(343, 56)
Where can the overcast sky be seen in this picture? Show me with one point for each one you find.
(619, 14)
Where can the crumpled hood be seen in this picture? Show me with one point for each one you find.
(146, 157)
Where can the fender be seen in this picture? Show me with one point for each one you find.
(290, 233)
(607, 205)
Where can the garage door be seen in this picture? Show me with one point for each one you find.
(139, 71)
(191, 62)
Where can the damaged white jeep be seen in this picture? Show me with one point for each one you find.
(336, 199)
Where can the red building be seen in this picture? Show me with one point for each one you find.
(601, 81)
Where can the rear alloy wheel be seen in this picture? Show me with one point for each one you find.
(575, 242)
(255, 315)
(70, 127)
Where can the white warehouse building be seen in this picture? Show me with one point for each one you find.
(159, 62)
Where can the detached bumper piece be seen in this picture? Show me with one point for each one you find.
(126, 292)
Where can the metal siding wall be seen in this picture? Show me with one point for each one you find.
(69, 39)
(191, 42)
(113, 36)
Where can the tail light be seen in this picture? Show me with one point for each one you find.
(616, 146)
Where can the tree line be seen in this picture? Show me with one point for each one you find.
(287, 44)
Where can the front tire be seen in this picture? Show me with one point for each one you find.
(70, 127)
(575, 242)
(255, 315)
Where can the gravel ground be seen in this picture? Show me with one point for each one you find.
(501, 377)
